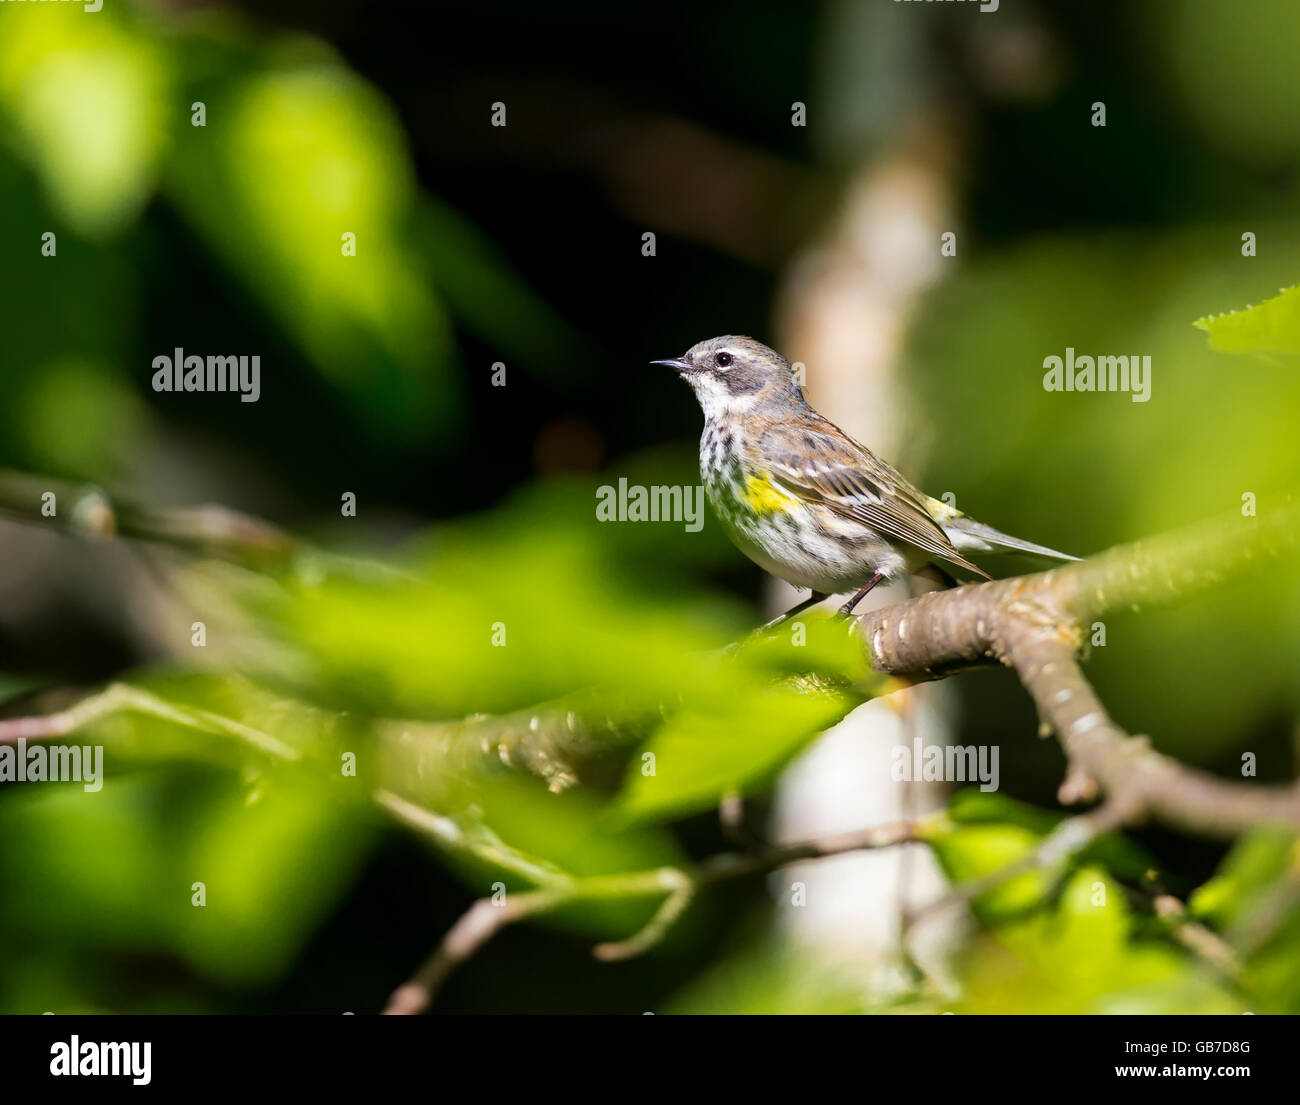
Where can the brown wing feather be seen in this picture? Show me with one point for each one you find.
(832, 469)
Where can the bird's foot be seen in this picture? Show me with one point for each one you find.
(847, 609)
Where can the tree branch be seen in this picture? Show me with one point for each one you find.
(88, 511)
(1032, 625)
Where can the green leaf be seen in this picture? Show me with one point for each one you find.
(766, 976)
(1083, 956)
(743, 718)
(113, 872)
(699, 757)
(972, 806)
(272, 864)
(1253, 901)
(554, 834)
(1258, 862)
(972, 851)
(1269, 327)
(88, 99)
(368, 320)
(984, 832)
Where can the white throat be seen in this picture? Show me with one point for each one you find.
(716, 401)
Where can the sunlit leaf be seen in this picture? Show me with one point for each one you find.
(737, 723)
(370, 322)
(1272, 326)
(88, 99)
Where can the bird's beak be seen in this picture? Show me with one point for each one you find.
(678, 363)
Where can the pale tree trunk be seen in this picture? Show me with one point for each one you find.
(844, 312)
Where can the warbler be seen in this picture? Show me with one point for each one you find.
(806, 502)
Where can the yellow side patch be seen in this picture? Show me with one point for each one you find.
(764, 497)
(941, 511)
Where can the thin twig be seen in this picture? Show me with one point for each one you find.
(1201, 941)
(118, 698)
(487, 917)
(121, 698)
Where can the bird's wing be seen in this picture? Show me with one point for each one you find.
(829, 468)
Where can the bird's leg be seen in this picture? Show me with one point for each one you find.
(847, 608)
(797, 608)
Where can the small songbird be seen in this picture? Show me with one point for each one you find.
(802, 499)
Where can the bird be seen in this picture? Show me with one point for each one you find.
(805, 501)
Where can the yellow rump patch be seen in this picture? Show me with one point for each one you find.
(764, 497)
(941, 511)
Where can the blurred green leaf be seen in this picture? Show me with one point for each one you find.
(973, 851)
(87, 98)
(78, 417)
(497, 613)
(1254, 866)
(565, 833)
(1255, 900)
(115, 870)
(984, 832)
(371, 323)
(972, 806)
(270, 868)
(738, 724)
(1083, 956)
(765, 977)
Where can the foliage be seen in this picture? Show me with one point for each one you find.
(554, 697)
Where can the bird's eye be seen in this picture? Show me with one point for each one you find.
(722, 360)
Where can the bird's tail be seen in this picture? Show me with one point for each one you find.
(966, 533)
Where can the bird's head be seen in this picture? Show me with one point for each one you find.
(734, 374)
